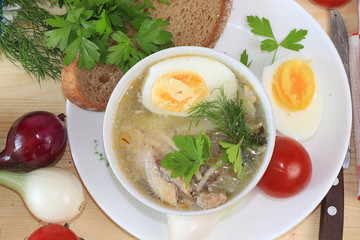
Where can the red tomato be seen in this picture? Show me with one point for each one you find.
(53, 232)
(331, 3)
(289, 170)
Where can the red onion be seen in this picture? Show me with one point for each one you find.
(35, 140)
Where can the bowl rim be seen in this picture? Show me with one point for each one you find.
(132, 73)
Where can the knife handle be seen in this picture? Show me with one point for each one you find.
(332, 211)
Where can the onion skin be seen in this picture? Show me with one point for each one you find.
(36, 139)
(51, 194)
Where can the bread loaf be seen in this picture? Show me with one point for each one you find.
(192, 23)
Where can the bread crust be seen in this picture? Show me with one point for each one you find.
(70, 88)
(87, 89)
(192, 23)
(222, 21)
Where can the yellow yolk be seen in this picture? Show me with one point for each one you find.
(178, 90)
(293, 85)
(173, 85)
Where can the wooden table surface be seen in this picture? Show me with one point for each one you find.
(20, 94)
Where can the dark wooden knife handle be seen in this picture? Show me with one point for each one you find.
(331, 225)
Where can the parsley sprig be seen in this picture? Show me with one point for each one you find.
(192, 154)
(263, 28)
(89, 26)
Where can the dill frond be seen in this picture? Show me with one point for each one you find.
(229, 117)
(23, 39)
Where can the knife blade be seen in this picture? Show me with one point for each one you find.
(332, 206)
(339, 36)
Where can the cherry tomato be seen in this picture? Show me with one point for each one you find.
(289, 170)
(53, 232)
(331, 3)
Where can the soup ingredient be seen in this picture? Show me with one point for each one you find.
(331, 3)
(53, 232)
(22, 39)
(191, 155)
(229, 118)
(263, 28)
(174, 85)
(289, 171)
(87, 26)
(291, 86)
(52, 194)
(35, 140)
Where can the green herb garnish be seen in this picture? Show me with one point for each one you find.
(234, 156)
(262, 27)
(89, 26)
(22, 39)
(244, 58)
(99, 154)
(193, 151)
(229, 117)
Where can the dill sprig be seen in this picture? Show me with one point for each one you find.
(23, 39)
(100, 154)
(229, 117)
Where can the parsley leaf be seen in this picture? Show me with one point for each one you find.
(124, 53)
(234, 156)
(152, 36)
(58, 36)
(263, 28)
(177, 162)
(291, 41)
(269, 45)
(88, 26)
(191, 155)
(260, 26)
(88, 52)
(119, 53)
(244, 58)
(104, 24)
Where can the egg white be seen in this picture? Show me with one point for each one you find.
(214, 73)
(299, 125)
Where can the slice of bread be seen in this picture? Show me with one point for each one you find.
(192, 23)
(87, 89)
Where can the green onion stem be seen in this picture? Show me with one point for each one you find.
(13, 180)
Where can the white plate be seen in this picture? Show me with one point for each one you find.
(258, 216)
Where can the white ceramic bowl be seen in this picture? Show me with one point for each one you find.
(233, 64)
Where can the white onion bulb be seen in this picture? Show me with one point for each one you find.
(52, 194)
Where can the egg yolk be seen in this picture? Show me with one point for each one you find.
(178, 91)
(293, 85)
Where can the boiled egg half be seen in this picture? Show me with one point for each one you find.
(291, 86)
(174, 85)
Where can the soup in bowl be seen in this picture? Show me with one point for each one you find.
(189, 131)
